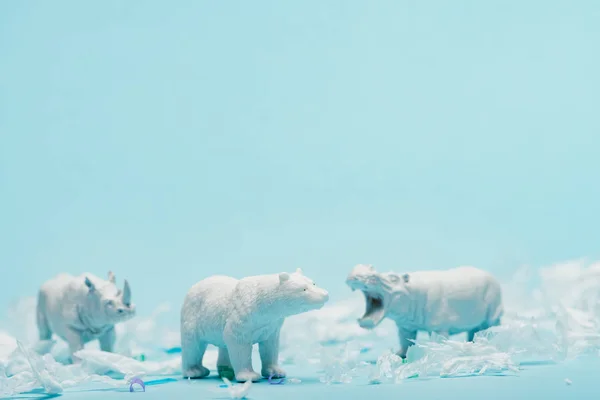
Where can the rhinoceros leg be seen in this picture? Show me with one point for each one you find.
(107, 341)
(42, 323)
(75, 343)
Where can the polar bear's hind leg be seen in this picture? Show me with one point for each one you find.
(224, 364)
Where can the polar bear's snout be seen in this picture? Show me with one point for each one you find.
(319, 295)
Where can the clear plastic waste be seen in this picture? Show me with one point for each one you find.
(551, 315)
(239, 391)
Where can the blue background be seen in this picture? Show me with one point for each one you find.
(169, 141)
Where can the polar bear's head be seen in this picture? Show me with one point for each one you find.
(379, 290)
(106, 303)
(299, 293)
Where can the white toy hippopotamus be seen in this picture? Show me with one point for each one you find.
(82, 308)
(463, 299)
(234, 314)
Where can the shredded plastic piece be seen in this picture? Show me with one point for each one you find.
(102, 362)
(340, 364)
(238, 391)
(26, 371)
(444, 358)
(51, 386)
(138, 381)
(271, 382)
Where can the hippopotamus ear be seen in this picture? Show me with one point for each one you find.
(89, 284)
(111, 277)
(283, 276)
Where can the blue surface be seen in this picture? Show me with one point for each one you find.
(535, 381)
(179, 139)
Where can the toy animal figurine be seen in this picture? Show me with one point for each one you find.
(463, 299)
(234, 314)
(80, 309)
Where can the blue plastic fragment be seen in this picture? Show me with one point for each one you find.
(173, 350)
(271, 382)
(138, 381)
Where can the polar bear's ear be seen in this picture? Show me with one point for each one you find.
(299, 271)
(89, 284)
(283, 276)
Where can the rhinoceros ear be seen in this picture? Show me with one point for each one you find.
(283, 276)
(89, 284)
(111, 277)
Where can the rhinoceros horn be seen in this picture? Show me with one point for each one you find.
(126, 293)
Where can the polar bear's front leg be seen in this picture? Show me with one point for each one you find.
(241, 359)
(269, 357)
(240, 354)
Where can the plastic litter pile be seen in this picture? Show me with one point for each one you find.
(444, 358)
(341, 364)
(561, 321)
(40, 365)
(26, 370)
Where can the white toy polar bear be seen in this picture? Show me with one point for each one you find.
(463, 299)
(234, 314)
(82, 308)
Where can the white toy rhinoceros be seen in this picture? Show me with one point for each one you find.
(82, 308)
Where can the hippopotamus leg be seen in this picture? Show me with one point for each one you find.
(407, 338)
(471, 335)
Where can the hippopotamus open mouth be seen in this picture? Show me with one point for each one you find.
(364, 278)
(374, 312)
